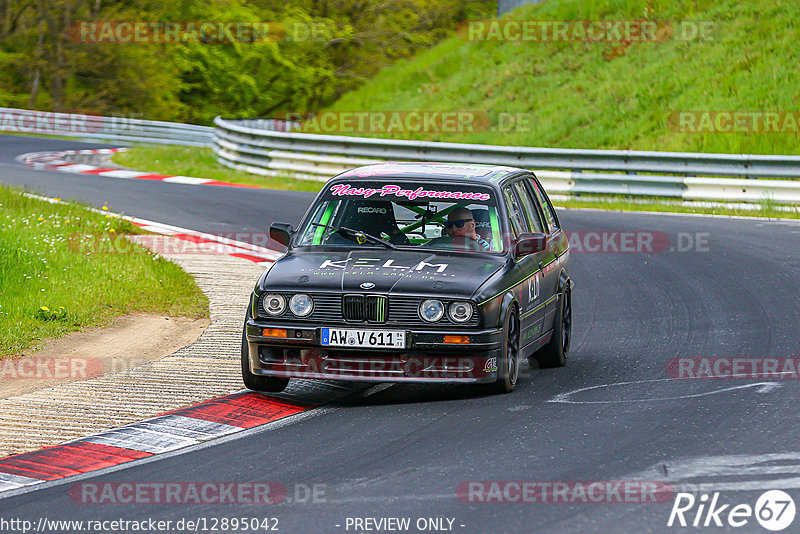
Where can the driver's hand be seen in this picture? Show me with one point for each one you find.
(482, 243)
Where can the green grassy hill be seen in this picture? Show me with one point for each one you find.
(610, 95)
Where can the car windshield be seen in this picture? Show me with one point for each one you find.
(405, 214)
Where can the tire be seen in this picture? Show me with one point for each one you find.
(555, 353)
(269, 384)
(508, 362)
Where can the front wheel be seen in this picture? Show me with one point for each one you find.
(555, 353)
(508, 364)
(268, 384)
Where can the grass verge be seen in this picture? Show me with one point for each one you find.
(49, 288)
(200, 163)
(609, 94)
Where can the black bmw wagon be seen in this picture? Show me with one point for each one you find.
(414, 272)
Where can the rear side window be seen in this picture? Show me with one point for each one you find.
(529, 207)
(544, 203)
(515, 215)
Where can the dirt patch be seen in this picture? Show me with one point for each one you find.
(128, 342)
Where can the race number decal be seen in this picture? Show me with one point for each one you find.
(533, 287)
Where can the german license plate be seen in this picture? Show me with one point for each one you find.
(357, 338)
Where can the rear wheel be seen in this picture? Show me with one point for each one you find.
(269, 384)
(555, 353)
(508, 364)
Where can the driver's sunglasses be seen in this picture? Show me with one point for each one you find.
(458, 223)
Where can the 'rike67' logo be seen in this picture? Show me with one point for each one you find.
(774, 510)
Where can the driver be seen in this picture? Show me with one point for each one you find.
(461, 232)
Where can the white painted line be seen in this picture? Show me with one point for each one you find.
(223, 248)
(189, 427)
(696, 464)
(23, 158)
(138, 438)
(158, 229)
(186, 180)
(9, 481)
(708, 473)
(76, 167)
(5, 486)
(564, 398)
(164, 228)
(749, 485)
(122, 174)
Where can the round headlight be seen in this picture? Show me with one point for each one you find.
(301, 305)
(431, 310)
(460, 312)
(274, 304)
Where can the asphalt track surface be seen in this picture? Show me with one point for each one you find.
(402, 450)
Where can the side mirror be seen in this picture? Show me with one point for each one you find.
(530, 244)
(281, 232)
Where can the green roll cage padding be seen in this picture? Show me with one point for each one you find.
(325, 218)
(439, 217)
(496, 244)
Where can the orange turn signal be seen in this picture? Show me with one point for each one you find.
(461, 340)
(273, 332)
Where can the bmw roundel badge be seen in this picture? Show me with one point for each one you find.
(367, 285)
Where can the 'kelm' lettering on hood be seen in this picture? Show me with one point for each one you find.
(388, 264)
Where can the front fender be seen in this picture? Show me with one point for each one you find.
(494, 312)
(564, 282)
(508, 300)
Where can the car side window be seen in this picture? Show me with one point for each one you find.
(529, 208)
(515, 216)
(544, 203)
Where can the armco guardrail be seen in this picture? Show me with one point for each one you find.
(108, 128)
(264, 146)
(689, 176)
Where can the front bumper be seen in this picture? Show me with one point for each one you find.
(426, 357)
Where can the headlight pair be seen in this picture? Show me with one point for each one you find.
(300, 304)
(432, 310)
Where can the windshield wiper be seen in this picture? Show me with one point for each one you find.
(358, 236)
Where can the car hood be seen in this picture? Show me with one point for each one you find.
(391, 271)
